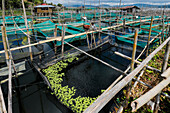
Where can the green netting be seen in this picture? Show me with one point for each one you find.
(139, 43)
(78, 23)
(72, 39)
(10, 21)
(68, 30)
(47, 25)
(75, 28)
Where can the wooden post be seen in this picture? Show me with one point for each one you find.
(2, 102)
(32, 14)
(28, 35)
(94, 40)
(150, 30)
(166, 56)
(84, 8)
(134, 49)
(4, 43)
(10, 89)
(88, 41)
(63, 15)
(124, 23)
(100, 24)
(163, 26)
(63, 35)
(55, 42)
(71, 15)
(91, 44)
(3, 12)
(59, 17)
(100, 36)
(132, 66)
(168, 30)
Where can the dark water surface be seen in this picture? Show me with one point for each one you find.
(88, 77)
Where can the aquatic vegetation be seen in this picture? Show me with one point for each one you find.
(64, 93)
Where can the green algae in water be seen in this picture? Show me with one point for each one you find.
(64, 93)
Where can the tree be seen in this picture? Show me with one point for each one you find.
(59, 5)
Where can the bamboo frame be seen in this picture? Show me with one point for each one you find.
(103, 99)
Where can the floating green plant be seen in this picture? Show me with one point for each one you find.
(64, 93)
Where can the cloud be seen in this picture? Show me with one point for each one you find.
(109, 2)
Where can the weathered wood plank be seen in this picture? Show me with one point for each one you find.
(151, 93)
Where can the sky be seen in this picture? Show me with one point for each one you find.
(109, 2)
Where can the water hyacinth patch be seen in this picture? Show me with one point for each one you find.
(66, 94)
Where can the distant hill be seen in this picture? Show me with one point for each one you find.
(149, 5)
(139, 5)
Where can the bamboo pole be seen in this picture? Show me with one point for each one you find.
(129, 58)
(91, 44)
(163, 26)
(150, 30)
(10, 78)
(164, 66)
(94, 39)
(99, 23)
(10, 89)
(84, 8)
(55, 42)
(104, 98)
(63, 35)
(63, 13)
(151, 93)
(96, 58)
(28, 35)
(88, 41)
(59, 17)
(3, 12)
(4, 37)
(4, 43)
(124, 21)
(166, 56)
(2, 102)
(134, 49)
(132, 66)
